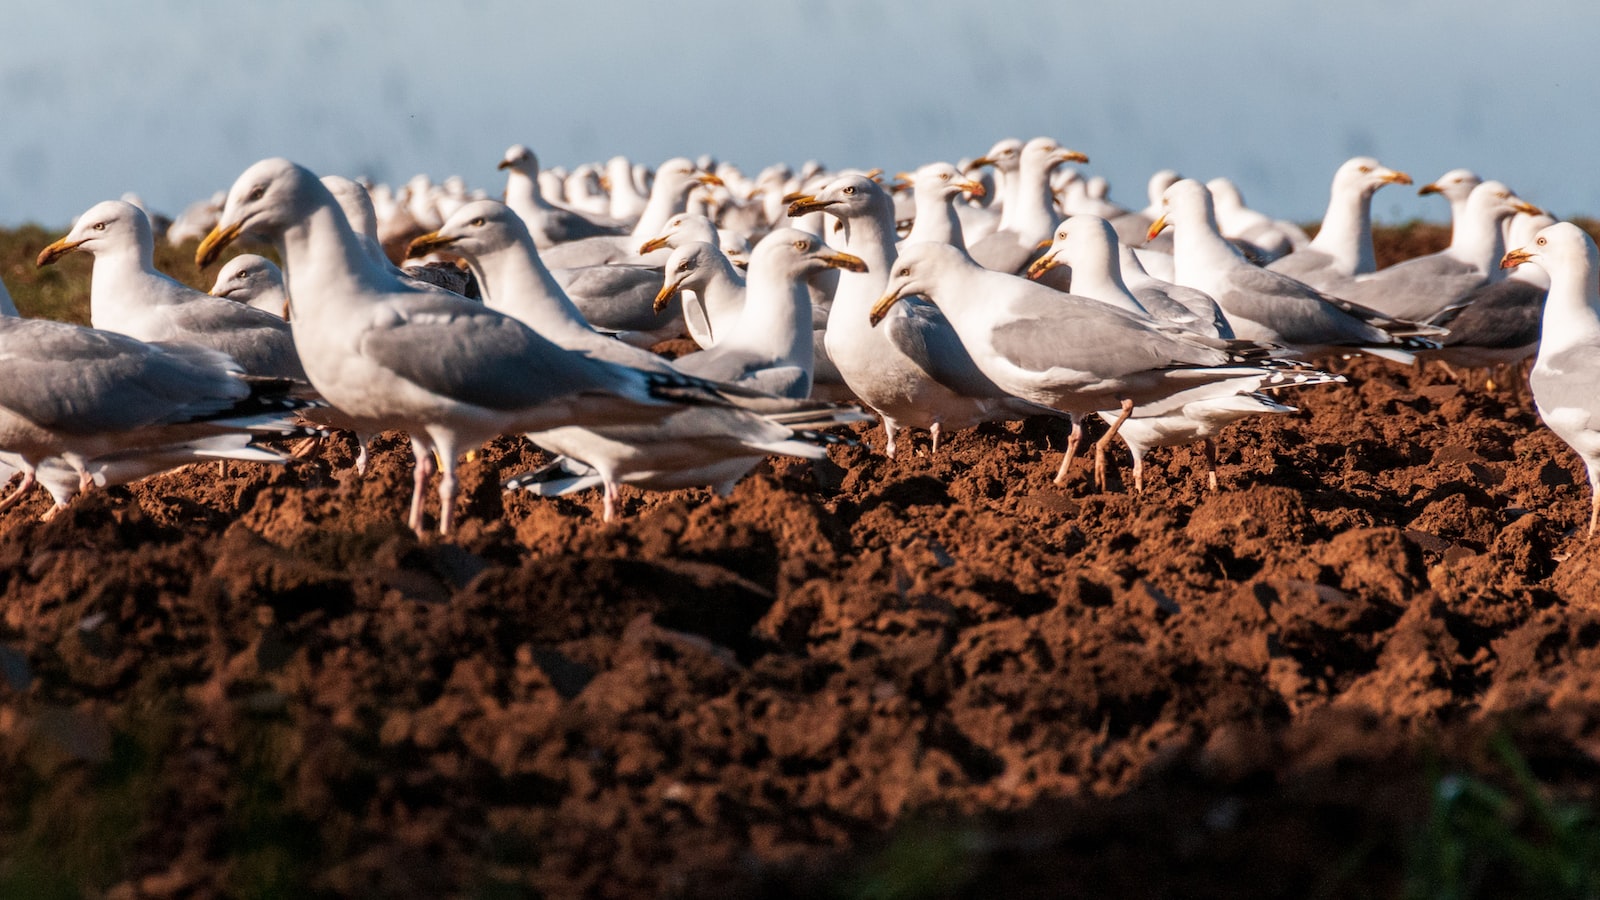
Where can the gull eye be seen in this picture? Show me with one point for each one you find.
(905, 273)
(683, 266)
(850, 189)
(1541, 242)
(99, 226)
(802, 246)
(1364, 169)
(944, 176)
(259, 192)
(478, 222)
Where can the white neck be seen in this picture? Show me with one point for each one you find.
(514, 281)
(936, 219)
(1346, 232)
(1571, 312)
(522, 194)
(1479, 241)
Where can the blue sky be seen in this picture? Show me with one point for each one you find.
(173, 99)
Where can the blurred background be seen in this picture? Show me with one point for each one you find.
(171, 100)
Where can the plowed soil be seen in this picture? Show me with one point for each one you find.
(939, 675)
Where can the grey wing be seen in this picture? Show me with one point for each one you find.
(617, 297)
(1069, 332)
(1568, 380)
(1208, 316)
(925, 336)
(1002, 252)
(260, 342)
(1415, 289)
(1302, 263)
(80, 381)
(1504, 314)
(1299, 313)
(746, 370)
(561, 225)
(471, 354)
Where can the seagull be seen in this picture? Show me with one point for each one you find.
(254, 281)
(1263, 305)
(1419, 289)
(697, 445)
(934, 189)
(1088, 244)
(1342, 248)
(1567, 368)
(449, 372)
(1455, 186)
(88, 397)
(1029, 215)
(1259, 235)
(549, 224)
(770, 346)
(1071, 353)
(129, 296)
(718, 289)
(911, 370)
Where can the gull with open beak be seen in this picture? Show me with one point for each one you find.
(1566, 373)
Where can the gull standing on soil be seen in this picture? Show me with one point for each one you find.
(129, 296)
(1088, 244)
(1567, 369)
(254, 281)
(87, 396)
(1070, 353)
(1342, 248)
(699, 445)
(1263, 305)
(449, 372)
(912, 369)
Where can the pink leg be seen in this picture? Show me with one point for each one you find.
(1105, 441)
(608, 512)
(1073, 440)
(1210, 447)
(22, 489)
(888, 446)
(935, 432)
(447, 494)
(423, 455)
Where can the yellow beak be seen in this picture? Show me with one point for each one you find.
(1515, 258)
(1040, 266)
(882, 307)
(1397, 178)
(1527, 208)
(664, 296)
(655, 243)
(215, 242)
(1156, 227)
(1430, 188)
(428, 243)
(843, 261)
(55, 251)
(973, 188)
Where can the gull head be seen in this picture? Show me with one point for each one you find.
(1454, 185)
(680, 229)
(1077, 240)
(941, 179)
(521, 159)
(246, 277)
(916, 272)
(1184, 201)
(794, 255)
(687, 269)
(1494, 200)
(846, 197)
(476, 230)
(267, 199)
(104, 226)
(1560, 248)
(1364, 175)
(1044, 154)
(1004, 155)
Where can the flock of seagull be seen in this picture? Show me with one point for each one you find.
(998, 288)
